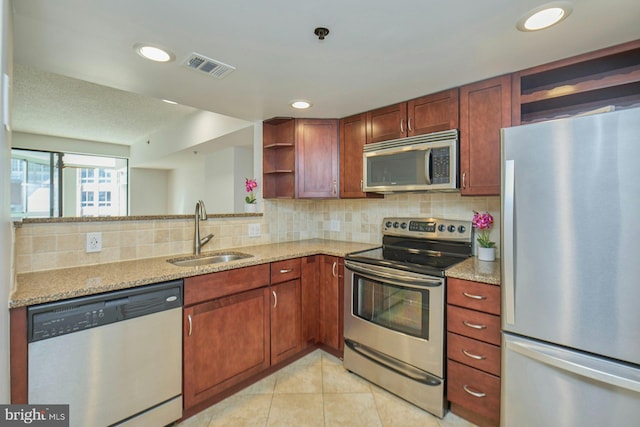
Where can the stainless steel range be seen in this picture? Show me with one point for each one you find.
(394, 319)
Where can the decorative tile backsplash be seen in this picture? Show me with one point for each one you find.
(44, 246)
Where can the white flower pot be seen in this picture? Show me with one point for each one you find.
(486, 254)
(250, 207)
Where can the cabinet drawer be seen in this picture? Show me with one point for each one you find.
(283, 271)
(474, 353)
(229, 282)
(474, 389)
(474, 324)
(474, 295)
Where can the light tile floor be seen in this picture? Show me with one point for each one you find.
(317, 391)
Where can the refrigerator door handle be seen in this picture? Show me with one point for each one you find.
(508, 243)
(589, 367)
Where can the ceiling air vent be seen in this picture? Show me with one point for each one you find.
(208, 66)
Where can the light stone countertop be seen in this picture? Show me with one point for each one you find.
(477, 271)
(54, 285)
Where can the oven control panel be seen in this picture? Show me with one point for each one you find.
(431, 228)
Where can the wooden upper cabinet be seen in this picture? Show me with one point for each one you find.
(433, 113)
(387, 123)
(352, 140)
(430, 113)
(485, 108)
(317, 158)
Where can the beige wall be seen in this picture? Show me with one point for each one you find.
(48, 246)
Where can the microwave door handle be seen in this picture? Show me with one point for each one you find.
(427, 165)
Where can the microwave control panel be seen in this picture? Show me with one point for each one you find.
(440, 169)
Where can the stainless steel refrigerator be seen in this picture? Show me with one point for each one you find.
(571, 272)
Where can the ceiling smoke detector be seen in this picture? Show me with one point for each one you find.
(321, 32)
(207, 66)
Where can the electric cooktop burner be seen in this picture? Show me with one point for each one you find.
(421, 245)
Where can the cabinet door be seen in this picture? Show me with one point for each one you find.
(317, 154)
(285, 320)
(433, 113)
(225, 341)
(387, 123)
(485, 107)
(310, 299)
(352, 140)
(331, 301)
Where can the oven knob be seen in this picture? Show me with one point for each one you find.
(442, 227)
(462, 229)
(396, 224)
(388, 224)
(451, 228)
(403, 225)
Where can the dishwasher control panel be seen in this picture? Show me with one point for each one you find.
(78, 314)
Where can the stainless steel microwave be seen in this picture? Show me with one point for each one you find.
(418, 163)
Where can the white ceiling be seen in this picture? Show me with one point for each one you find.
(377, 53)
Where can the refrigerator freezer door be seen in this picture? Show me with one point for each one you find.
(571, 227)
(550, 386)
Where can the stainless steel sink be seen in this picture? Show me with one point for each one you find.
(213, 258)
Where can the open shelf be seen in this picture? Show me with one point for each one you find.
(608, 77)
(278, 158)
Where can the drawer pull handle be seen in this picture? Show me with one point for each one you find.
(473, 356)
(190, 324)
(286, 270)
(473, 393)
(473, 325)
(472, 296)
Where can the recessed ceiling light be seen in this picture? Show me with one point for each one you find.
(544, 16)
(168, 101)
(154, 53)
(300, 104)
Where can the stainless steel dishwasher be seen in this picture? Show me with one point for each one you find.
(115, 358)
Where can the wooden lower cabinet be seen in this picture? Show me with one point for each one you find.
(285, 320)
(309, 297)
(331, 301)
(475, 390)
(226, 341)
(473, 351)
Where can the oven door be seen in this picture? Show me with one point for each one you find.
(399, 314)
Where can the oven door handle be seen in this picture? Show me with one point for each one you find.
(395, 365)
(397, 278)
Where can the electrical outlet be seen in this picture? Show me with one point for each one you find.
(94, 242)
(334, 225)
(254, 230)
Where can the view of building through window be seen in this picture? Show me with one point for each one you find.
(83, 186)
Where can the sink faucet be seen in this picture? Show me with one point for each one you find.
(201, 214)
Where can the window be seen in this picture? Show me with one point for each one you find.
(87, 198)
(104, 176)
(47, 184)
(104, 198)
(87, 175)
(34, 184)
